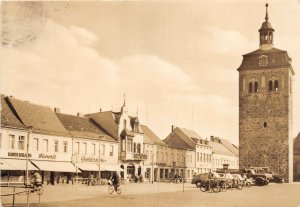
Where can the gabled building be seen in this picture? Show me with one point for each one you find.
(50, 146)
(93, 150)
(223, 153)
(157, 165)
(127, 131)
(189, 152)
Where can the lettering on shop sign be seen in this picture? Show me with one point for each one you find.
(159, 163)
(18, 154)
(43, 156)
(91, 159)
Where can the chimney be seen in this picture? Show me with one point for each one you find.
(56, 110)
(173, 127)
(80, 114)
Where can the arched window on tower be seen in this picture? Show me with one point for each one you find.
(270, 85)
(276, 87)
(250, 87)
(256, 86)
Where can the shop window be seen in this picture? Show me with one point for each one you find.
(111, 150)
(12, 141)
(65, 146)
(55, 145)
(21, 142)
(166, 173)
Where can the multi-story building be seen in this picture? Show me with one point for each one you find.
(127, 131)
(223, 153)
(46, 142)
(93, 150)
(265, 106)
(194, 154)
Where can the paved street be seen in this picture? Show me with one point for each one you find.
(167, 194)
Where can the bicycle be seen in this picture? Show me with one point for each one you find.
(111, 188)
(38, 188)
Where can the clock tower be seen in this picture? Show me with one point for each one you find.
(265, 106)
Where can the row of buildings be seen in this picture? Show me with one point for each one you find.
(62, 145)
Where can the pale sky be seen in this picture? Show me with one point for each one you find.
(175, 60)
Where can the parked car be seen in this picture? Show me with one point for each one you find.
(204, 177)
(277, 179)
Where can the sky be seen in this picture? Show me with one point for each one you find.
(175, 61)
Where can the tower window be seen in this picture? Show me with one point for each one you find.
(250, 87)
(265, 124)
(256, 86)
(276, 85)
(270, 85)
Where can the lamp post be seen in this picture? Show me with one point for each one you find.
(29, 129)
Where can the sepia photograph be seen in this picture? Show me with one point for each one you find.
(150, 103)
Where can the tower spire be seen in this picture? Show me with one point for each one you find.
(124, 99)
(267, 17)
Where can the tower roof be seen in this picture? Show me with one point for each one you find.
(266, 25)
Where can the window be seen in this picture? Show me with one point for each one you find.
(129, 145)
(276, 87)
(157, 155)
(197, 156)
(166, 156)
(250, 87)
(12, 141)
(201, 157)
(256, 86)
(65, 146)
(36, 144)
(103, 149)
(55, 145)
(139, 148)
(265, 124)
(270, 85)
(84, 148)
(93, 148)
(111, 150)
(21, 142)
(123, 145)
(77, 148)
(45, 145)
(134, 147)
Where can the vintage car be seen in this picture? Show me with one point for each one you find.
(205, 177)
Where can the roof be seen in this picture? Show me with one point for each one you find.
(220, 148)
(106, 120)
(8, 118)
(41, 118)
(82, 127)
(182, 138)
(297, 144)
(150, 137)
(276, 58)
(230, 146)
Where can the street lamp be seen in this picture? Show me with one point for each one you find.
(29, 129)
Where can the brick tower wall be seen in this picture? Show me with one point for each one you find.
(265, 120)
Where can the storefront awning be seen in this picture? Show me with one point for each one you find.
(88, 166)
(54, 166)
(15, 164)
(112, 168)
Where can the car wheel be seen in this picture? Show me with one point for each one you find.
(198, 184)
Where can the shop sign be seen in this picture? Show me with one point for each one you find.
(18, 154)
(91, 159)
(159, 163)
(43, 156)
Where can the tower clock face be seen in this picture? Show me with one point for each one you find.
(263, 60)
